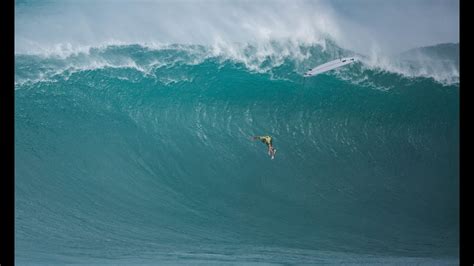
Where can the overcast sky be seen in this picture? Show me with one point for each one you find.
(403, 24)
(360, 25)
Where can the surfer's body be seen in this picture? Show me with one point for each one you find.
(269, 142)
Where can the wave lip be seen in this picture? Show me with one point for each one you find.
(271, 58)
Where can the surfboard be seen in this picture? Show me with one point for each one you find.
(329, 66)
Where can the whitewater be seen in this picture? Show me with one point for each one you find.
(140, 153)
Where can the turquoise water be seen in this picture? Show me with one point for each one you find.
(128, 154)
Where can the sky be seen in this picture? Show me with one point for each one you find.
(404, 24)
(364, 26)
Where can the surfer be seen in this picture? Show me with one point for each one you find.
(268, 141)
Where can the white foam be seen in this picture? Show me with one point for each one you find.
(260, 57)
(444, 74)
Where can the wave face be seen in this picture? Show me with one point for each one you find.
(128, 154)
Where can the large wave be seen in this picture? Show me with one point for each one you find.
(131, 153)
